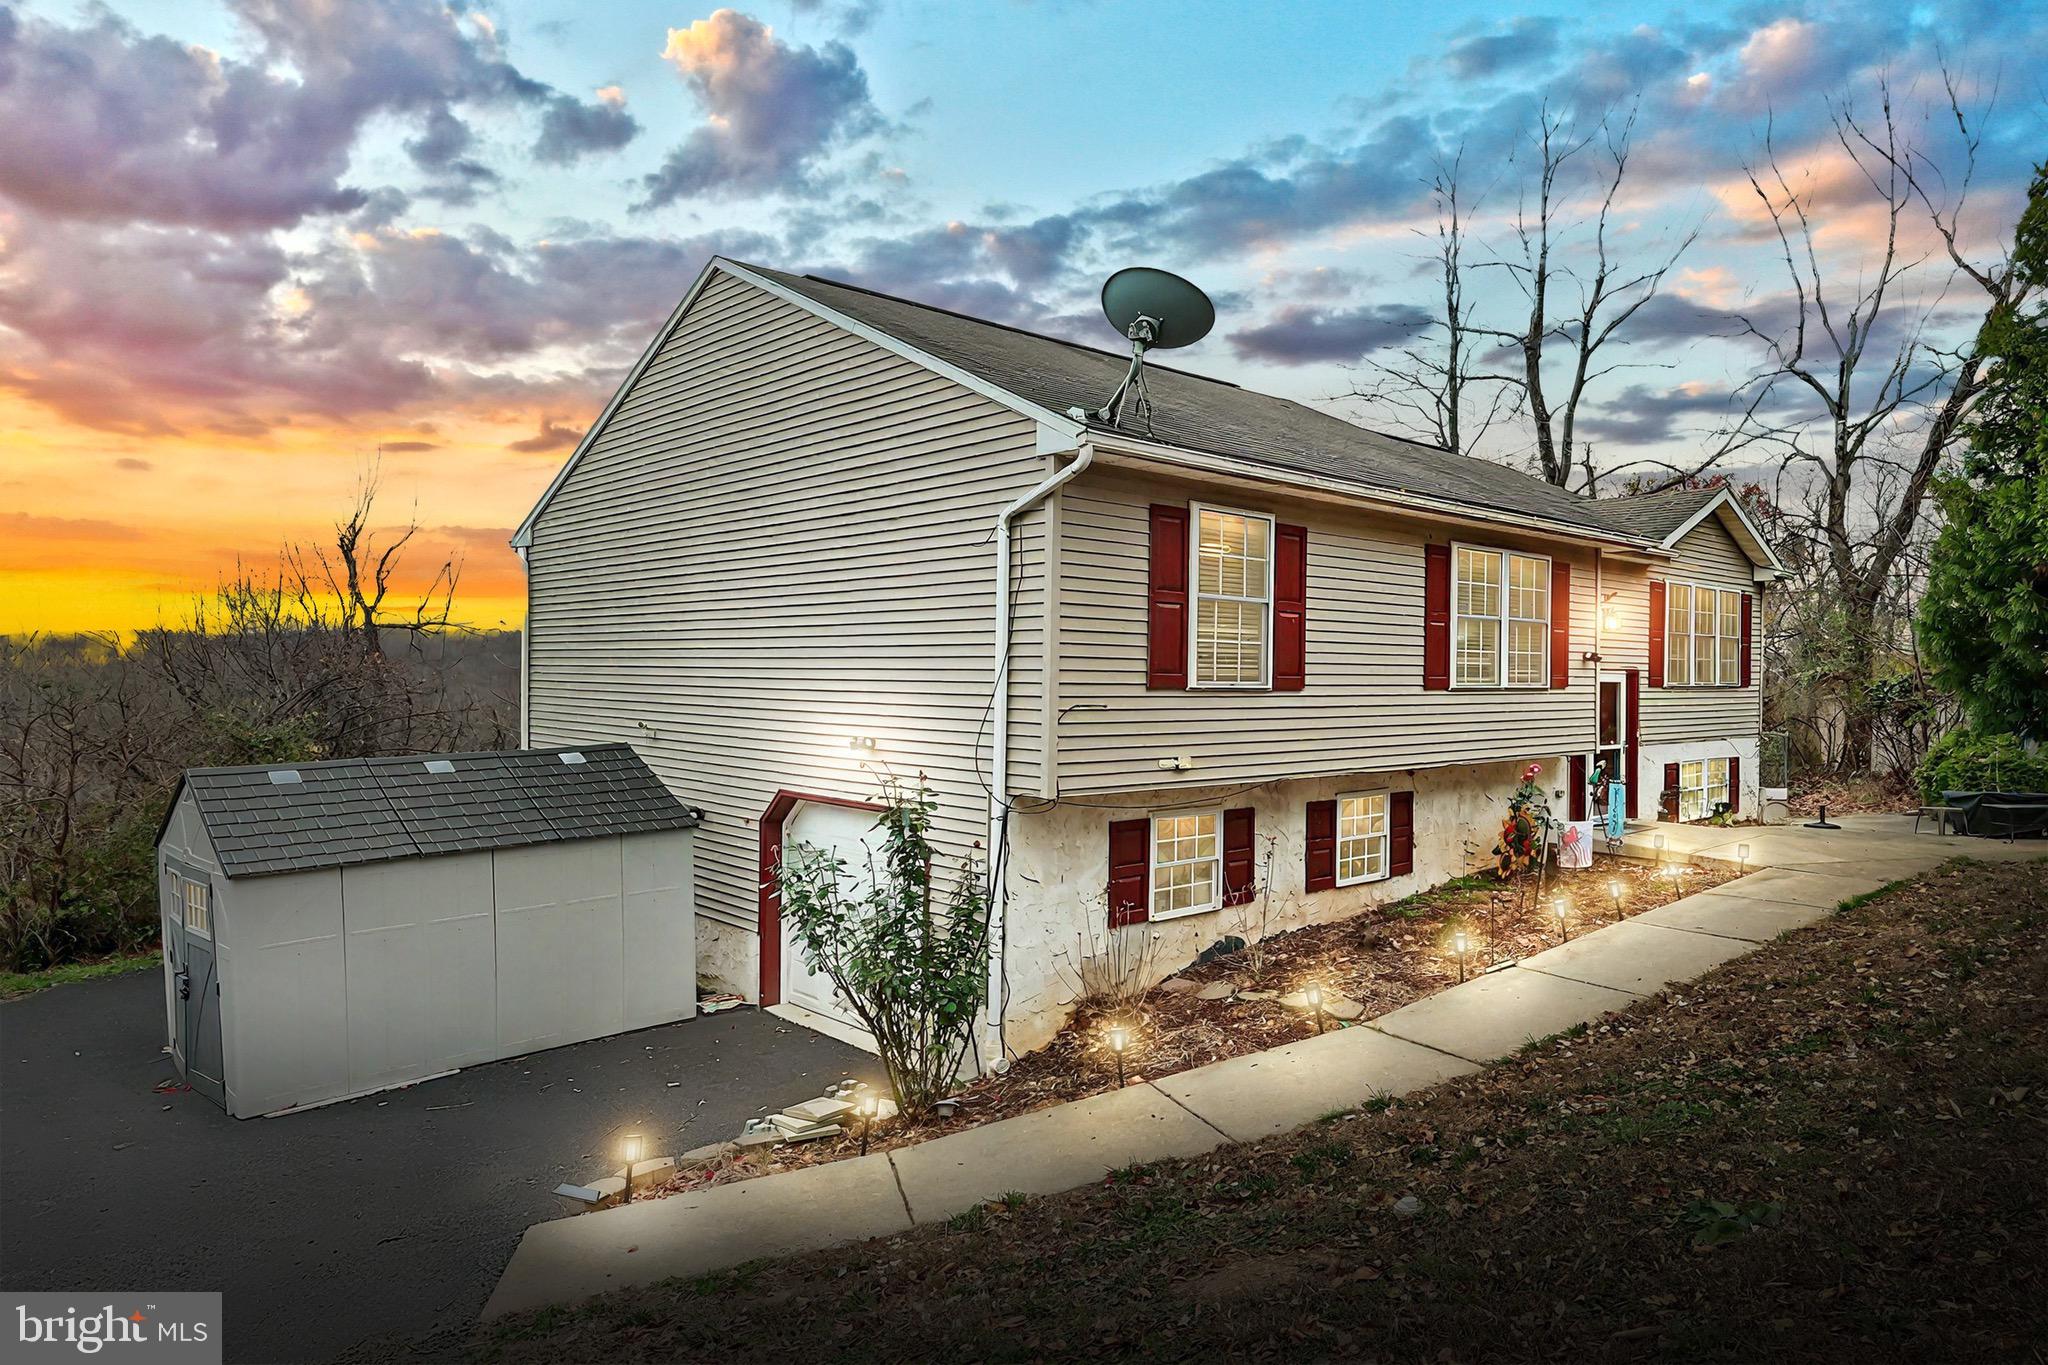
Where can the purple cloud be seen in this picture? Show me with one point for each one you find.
(571, 130)
(1523, 41)
(551, 436)
(1303, 334)
(774, 110)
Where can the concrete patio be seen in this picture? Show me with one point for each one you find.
(1801, 876)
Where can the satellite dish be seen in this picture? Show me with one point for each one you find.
(1155, 309)
(1178, 313)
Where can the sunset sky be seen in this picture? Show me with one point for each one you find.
(247, 245)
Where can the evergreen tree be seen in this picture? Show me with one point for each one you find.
(1984, 621)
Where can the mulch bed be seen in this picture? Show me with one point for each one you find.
(1382, 959)
(1864, 794)
(1825, 1151)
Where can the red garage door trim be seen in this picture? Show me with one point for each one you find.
(769, 920)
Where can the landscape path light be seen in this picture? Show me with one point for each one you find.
(1460, 945)
(631, 1147)
(1742, 856)
(1119, 1037)
(868, 1106)
(1315, 1002)
(1562, 908)
(1614, 892)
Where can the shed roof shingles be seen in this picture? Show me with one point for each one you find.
(348, 811)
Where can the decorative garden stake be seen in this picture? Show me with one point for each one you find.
(1118, 1036)
(1315, 1002)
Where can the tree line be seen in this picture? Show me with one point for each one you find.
(319, 656)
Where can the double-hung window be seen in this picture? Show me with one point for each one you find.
(1500, 605)
(198, 913)
(1702, 636)
(1702, 785)
(1187, 864)
(1233, 598)
(1361, 838)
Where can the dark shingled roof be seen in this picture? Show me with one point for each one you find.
(365, 810)
(1653, 516)
(1196, 413)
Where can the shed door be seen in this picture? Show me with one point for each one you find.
(189, 925)
(851, 834)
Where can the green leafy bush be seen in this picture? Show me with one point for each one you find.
(914, 971)
(1968, 760)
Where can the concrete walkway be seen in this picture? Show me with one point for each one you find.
(1802, 876)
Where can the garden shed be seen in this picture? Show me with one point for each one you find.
(340, 927)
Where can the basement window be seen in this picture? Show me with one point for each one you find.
(1361, 838)
(1702, 784)
(1187, 864)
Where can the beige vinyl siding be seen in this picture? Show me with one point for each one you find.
(1364, 709)
(1706, 554)
(782, 541)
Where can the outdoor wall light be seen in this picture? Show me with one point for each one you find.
(862, 744)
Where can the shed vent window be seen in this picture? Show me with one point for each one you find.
(285, 777)
(198, 916)
(572, 757)
(440, 765)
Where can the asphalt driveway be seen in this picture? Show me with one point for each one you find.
(392, 1213)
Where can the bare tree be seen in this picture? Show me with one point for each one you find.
(1887, 400)
(1603, 296)
(1428, 386)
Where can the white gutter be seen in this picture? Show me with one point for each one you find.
(999, 784)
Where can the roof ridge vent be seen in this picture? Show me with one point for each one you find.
(285, 777)
(571, 756)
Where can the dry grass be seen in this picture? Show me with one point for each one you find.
(1827, 1151)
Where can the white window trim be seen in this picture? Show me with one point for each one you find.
(1195, 596)
(1152, 865)
(1505, 619)
(1705, 788)
(1386, 838)
(1691, 671)
(185, 889)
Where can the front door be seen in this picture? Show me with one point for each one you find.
(195, 985)
(1610, 753)
(849, 834)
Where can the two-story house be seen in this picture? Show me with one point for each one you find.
(822, 534)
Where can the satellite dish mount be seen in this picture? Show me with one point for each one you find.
(1154, 309)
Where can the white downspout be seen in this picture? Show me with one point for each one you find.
(999, 785)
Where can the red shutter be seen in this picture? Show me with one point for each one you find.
(1633, 756)
(1560, 624)
(1290, 608)
(1130, 871)
(1400, 834)
(1166, 659)
(1670, 785)
(1656, 632)
(1436, 617)
(1578, 785)
(1321, 867)
(1748, 632)
(1237, 856)
(1735, 771)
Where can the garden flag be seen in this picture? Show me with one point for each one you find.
(1617, 808)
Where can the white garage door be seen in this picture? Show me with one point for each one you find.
(852, 836)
